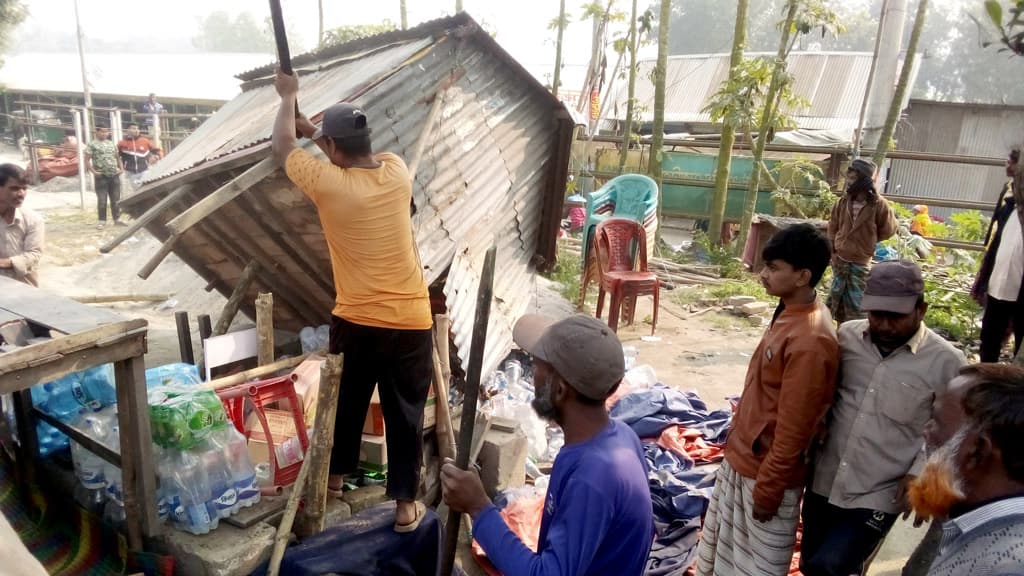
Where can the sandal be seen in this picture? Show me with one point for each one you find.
(421, 511)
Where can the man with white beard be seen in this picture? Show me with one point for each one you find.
(976, 475)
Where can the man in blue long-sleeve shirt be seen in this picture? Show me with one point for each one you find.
(597, 515)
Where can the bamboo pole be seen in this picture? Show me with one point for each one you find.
(235, 301)
(311, 519)
(157, 258)
(147, 217)
(107, 298)
(442, 376)
(265, 328)
(258, 372)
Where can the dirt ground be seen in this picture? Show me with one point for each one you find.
(707, 353)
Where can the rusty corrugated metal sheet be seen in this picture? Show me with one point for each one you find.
(833, 82)
(490, 173)
(955, 128)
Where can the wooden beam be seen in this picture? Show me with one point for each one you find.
(311, 518)
(264, 328)
(226, 193)
(147, 217)
(290, 242)
(258, 372)
(184, 337)
(237, 295)
(46, 369)
(51, 349)
(157, 258)
(49, 310)
(107, 298)
(137, 467)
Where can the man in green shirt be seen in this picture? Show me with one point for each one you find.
(105, 164)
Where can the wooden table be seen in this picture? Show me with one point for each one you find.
(84, 337)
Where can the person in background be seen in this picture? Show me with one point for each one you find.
(137, 152)
(975, 477)
(998, 284)
(861, 219)
(151, 107)
(598, 516)
(105, 164)
(921, 220)
(751, 522)
(21, 229)
(893, 366)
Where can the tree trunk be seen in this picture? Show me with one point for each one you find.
(628, 128)
(557, 78)
(721, 193)
(885, 139)
(596, 55)
(404, 14)
(458, 5)
(765, 126)
(658, 131)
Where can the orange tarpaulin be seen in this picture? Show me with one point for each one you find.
(690, 444)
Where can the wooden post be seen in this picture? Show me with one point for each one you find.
(442, 377)
(265, 328)
(311, 519)
(137, 466)
(205, 331)
(157, 258)
(324, 429)
(184, 337)
(235, 301)
(146, 218)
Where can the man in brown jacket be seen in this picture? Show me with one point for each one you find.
(750, 527)
(861, 219)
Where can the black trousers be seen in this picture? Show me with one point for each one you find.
(399, 363)
(107, 187)
(994, 324)
(838, 541)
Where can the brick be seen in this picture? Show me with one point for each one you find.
(337, 512)
(755, 308)
(740, 300)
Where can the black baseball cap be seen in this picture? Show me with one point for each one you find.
(582, 349)
(343, 120)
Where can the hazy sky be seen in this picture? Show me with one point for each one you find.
(521, 25)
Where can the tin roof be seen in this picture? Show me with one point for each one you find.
(833, 82)
(494, 170)
(201, 76)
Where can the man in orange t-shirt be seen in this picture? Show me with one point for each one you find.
(381, 318)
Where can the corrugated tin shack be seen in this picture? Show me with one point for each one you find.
(493, 170)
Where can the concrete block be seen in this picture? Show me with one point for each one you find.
(755, 308)
(227, 551)
(362, 498)
(337, 512)
(503, 458)
(740, 300)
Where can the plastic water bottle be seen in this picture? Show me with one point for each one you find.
(89, 467)
(323, 337)
(222, 487)
(307, 338)
(243, 474)
(191, 512)
(113, 510)
(95, 389)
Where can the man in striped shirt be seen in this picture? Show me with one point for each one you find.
(976, 476)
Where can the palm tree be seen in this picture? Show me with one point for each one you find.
(660, 72)
(885, 139)
(628, 128)
(728, 132)
(767, 119)
(556, 79)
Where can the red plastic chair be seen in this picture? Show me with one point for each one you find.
(617, 239)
